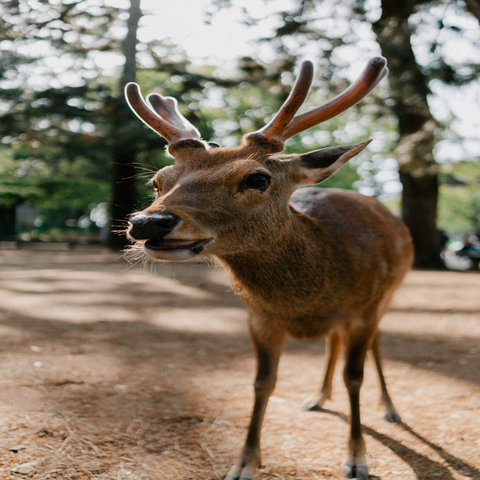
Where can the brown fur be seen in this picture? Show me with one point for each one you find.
(325, 264)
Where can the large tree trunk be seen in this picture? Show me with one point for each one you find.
(123, 169)
(473, 6)
(419, 202)
(417, 167)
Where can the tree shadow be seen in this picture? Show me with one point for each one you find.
(455, 357)
(143, 404)
(434, 311)
(137, 343)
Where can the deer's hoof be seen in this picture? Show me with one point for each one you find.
(243, 470)
(393, 418)
(355, 471)
(233, 477)
(315, 403)
(312, 407)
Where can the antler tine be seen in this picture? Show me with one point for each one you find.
(374, 72)
(172, 133)
(167, 108)
(274, 129)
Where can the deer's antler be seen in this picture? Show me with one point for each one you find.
(164, 116)
(285, 125)
(297, 96)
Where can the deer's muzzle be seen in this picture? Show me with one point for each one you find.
(152, 226)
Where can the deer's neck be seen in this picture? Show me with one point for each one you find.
(269, 274)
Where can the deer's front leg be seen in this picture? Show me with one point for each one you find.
(356, 347)
(268, 343)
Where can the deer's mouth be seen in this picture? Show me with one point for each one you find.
(196, 246)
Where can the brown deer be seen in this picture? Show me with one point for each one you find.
(308, 262)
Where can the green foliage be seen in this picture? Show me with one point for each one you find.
(62, 136)
(54, 125)
(459, 201)
(60, 139)
(61, 191)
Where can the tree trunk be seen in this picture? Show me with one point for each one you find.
(123, 170)
(473, 6)
(419, 202)
(7, 223)
(417, 166)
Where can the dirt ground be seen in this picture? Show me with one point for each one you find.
(110, 371)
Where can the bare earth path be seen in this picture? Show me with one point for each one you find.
(114, 373)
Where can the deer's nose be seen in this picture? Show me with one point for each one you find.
(152, 226)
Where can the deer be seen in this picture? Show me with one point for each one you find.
(307, 262)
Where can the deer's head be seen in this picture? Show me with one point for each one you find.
(221, 201)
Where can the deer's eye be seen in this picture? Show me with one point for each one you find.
(258, 181)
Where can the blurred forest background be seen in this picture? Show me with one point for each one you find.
(74, 159)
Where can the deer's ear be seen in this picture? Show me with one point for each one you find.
(316, 167)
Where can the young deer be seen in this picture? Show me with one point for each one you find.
(308, 262)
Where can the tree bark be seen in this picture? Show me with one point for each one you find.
(7, 223)
(473, 6)
(124, 195)
(417, 167)
(418, 202)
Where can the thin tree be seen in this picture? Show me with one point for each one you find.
(124, 195)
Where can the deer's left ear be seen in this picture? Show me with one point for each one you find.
(316, 167)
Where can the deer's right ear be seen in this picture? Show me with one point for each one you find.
(315, 167)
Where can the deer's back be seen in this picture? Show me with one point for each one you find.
(370, 249)
(358, 228)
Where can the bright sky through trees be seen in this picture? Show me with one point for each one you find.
(226, 38)
(70, 56)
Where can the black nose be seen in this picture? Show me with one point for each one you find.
(152, 226)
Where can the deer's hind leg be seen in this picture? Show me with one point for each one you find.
(333, 347)
(391, 414)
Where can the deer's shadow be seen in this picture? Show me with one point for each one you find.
(425, 468)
